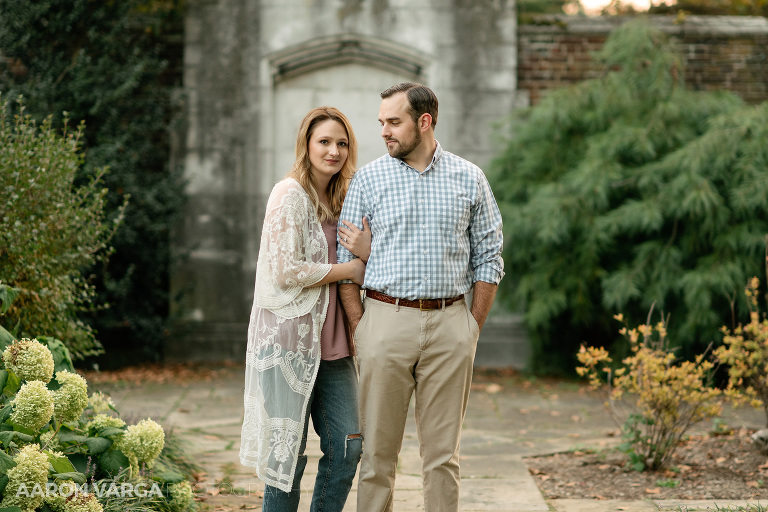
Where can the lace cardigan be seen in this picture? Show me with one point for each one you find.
(283, 354)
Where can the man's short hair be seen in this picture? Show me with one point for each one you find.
(421, 99)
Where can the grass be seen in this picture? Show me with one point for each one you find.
(750, 507)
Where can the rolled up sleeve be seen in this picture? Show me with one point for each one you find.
(486, 239)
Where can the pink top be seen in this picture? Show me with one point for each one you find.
(333, 338)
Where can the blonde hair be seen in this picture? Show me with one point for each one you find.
(301, 170)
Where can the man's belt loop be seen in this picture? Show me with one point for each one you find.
(397, 305)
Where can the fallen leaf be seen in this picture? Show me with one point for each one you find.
(738, 461)
(535, 471)
(598, 497)
(575, 418)
(523, 411)
(753, 484)
(570, 484)
(544, 478)
(720, 460)
(655, 490)
(604, 466)
(574, 435)
(554, 413)
(493, 388)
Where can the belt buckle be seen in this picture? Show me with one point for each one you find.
(421, 301)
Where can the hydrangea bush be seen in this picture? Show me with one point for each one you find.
(59, 445)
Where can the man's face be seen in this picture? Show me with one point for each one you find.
(400, 133)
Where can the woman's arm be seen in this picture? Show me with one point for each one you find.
(353, 270)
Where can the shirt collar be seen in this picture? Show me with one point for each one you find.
(438, 154)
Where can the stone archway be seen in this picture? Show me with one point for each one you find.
(345, 71)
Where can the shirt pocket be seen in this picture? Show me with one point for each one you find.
(454, 218)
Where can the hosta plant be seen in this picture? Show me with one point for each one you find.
(652, 396)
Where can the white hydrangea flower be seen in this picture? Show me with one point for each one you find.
(71, 398)
(100, 403)
(103, 421)
(29, 360)
(51, 441)
(32, 406)
(29, 474)
(75, 502)
(181, 497)
(142, 443)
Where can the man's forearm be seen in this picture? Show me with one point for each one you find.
(482, 300)
(353, 306)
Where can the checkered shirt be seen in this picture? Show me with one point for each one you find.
(435, 233)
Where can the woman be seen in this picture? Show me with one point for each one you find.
(299, 358)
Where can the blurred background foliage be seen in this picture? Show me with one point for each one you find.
(630, 191)
(113, 65)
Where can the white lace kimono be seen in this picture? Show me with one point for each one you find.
(287, 318)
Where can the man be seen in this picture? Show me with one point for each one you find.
(436, 233)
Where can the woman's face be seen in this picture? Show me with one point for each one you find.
(328, 149)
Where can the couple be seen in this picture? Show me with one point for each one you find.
(419, 228)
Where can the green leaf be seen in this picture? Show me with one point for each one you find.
(60, 464)
(62, 360)
(110, 432)
(8, 436)
(82, 463)
(12, 384)
(7, 296)
(97, 445)
(6, 462)
(67, 436)
(10, 509)
(5, 413)
(3, 482)
(3, 379)
(72, 475)
(6, 338)
(113, 461)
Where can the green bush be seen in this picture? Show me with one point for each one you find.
(49, 230)
(627, 191)
(114, 65)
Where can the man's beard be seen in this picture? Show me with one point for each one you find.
(402, 150)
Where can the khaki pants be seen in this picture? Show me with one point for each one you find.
(401, 350)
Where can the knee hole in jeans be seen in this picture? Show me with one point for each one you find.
(353, 446)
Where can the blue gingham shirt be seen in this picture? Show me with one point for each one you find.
(435, 233)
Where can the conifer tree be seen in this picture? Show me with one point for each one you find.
(629, 191)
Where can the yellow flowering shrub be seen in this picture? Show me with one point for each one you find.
(745, 352)
(651, 395)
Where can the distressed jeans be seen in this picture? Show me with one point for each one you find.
(333, 408)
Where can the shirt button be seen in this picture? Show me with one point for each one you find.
(425, 278)
(423, 226)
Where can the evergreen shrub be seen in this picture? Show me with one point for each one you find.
(627, 191)
(116, 66)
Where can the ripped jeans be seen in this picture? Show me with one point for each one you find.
(333, 407)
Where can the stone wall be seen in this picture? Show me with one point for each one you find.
(719, 52)
(252, 69)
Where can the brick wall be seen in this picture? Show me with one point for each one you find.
(720, 52)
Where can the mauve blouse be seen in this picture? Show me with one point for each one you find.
(333, 337)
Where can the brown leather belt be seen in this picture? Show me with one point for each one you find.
(418, 303)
